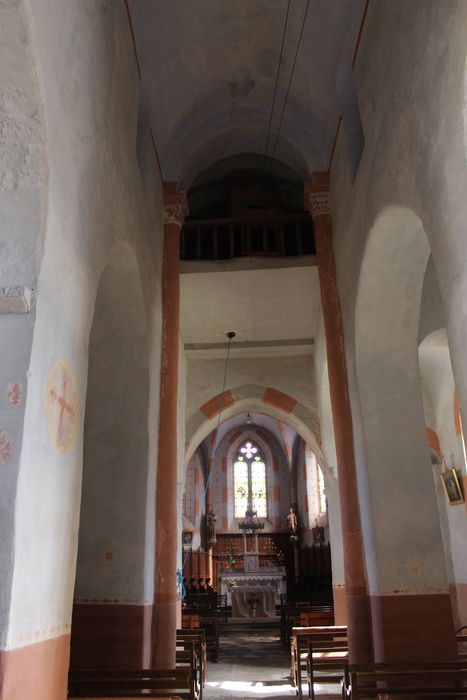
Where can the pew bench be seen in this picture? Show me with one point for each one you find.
(436, 679)
(190, 622)
(326, 662)
(304, 616)
(461, 637)
(198, 637)
(209, 619)
(103, 683)
(334, 636)
(186, 656)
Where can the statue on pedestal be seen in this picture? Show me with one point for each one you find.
(292, 524)
(210, 523)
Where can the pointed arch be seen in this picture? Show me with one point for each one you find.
(255, 398)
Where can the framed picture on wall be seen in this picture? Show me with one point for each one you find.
(187, 539)
(452, 486)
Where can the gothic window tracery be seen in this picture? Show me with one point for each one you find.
(249, 481)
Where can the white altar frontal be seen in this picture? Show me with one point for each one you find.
(242, 589)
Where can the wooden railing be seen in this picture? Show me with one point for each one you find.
(224, 239)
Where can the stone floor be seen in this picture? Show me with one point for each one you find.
(253, 664)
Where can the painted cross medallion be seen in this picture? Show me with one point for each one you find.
(62, 405)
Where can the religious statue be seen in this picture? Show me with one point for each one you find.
(318, 533)
(211, 528)
(292, 523)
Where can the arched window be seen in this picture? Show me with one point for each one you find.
(320, 489)
(249, 481)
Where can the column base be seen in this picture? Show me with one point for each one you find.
(340, 605)
(38, 671)
(413, 627)
(358, 621)
(458, 593)
(165, 621)
(111, 636)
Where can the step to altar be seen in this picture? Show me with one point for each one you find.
(236, 625)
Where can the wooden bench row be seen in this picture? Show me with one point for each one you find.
(323, 652)
(304, 616)
(314, 649)
(207, 619)
(128, 684)
(439, 679)
(461, 635)
(185, 681)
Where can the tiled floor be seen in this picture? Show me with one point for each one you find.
(254, 664)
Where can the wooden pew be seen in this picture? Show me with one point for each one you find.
(434, 679)
(95, 683)
(199, 638)
(326, 661)
(461, 637)
(209, 619)
(291, 616)
(190, 622)
(187, 656)
(299, 643)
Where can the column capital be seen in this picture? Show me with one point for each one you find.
(316, 194)
(175, 204)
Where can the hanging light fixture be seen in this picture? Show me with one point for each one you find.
(251, 525)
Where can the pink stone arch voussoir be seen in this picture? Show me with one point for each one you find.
(253, 397)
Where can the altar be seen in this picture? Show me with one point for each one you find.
(266, 586)
(257, 601)
(255, 591)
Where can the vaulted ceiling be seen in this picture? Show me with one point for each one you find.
(208, 75)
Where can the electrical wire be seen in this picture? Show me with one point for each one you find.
(289, 85)
(231, 336)
(268, 136)
(224, 384)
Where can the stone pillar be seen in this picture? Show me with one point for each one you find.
(296, 561)
(358, 608)
(165, 604)
(207, 508)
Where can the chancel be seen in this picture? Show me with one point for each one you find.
(233, 379)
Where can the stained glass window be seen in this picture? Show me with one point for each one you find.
(258, 486)
(320, 489)
(250, 481)
(240, 486)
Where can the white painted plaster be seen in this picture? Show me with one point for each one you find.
(435, 366)
(291, 375)
(95, 197)
(111, 551)
(263, 305)
(414, 158)
(23, 195)
(329, 450)
(213, 98)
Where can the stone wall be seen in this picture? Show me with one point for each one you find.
(86, 109)
(406, 201)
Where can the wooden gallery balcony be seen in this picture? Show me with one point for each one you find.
(224, 239)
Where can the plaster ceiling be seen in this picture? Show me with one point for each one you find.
(208, 74)
(261, 306)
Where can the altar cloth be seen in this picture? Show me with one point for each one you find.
(265, 606)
